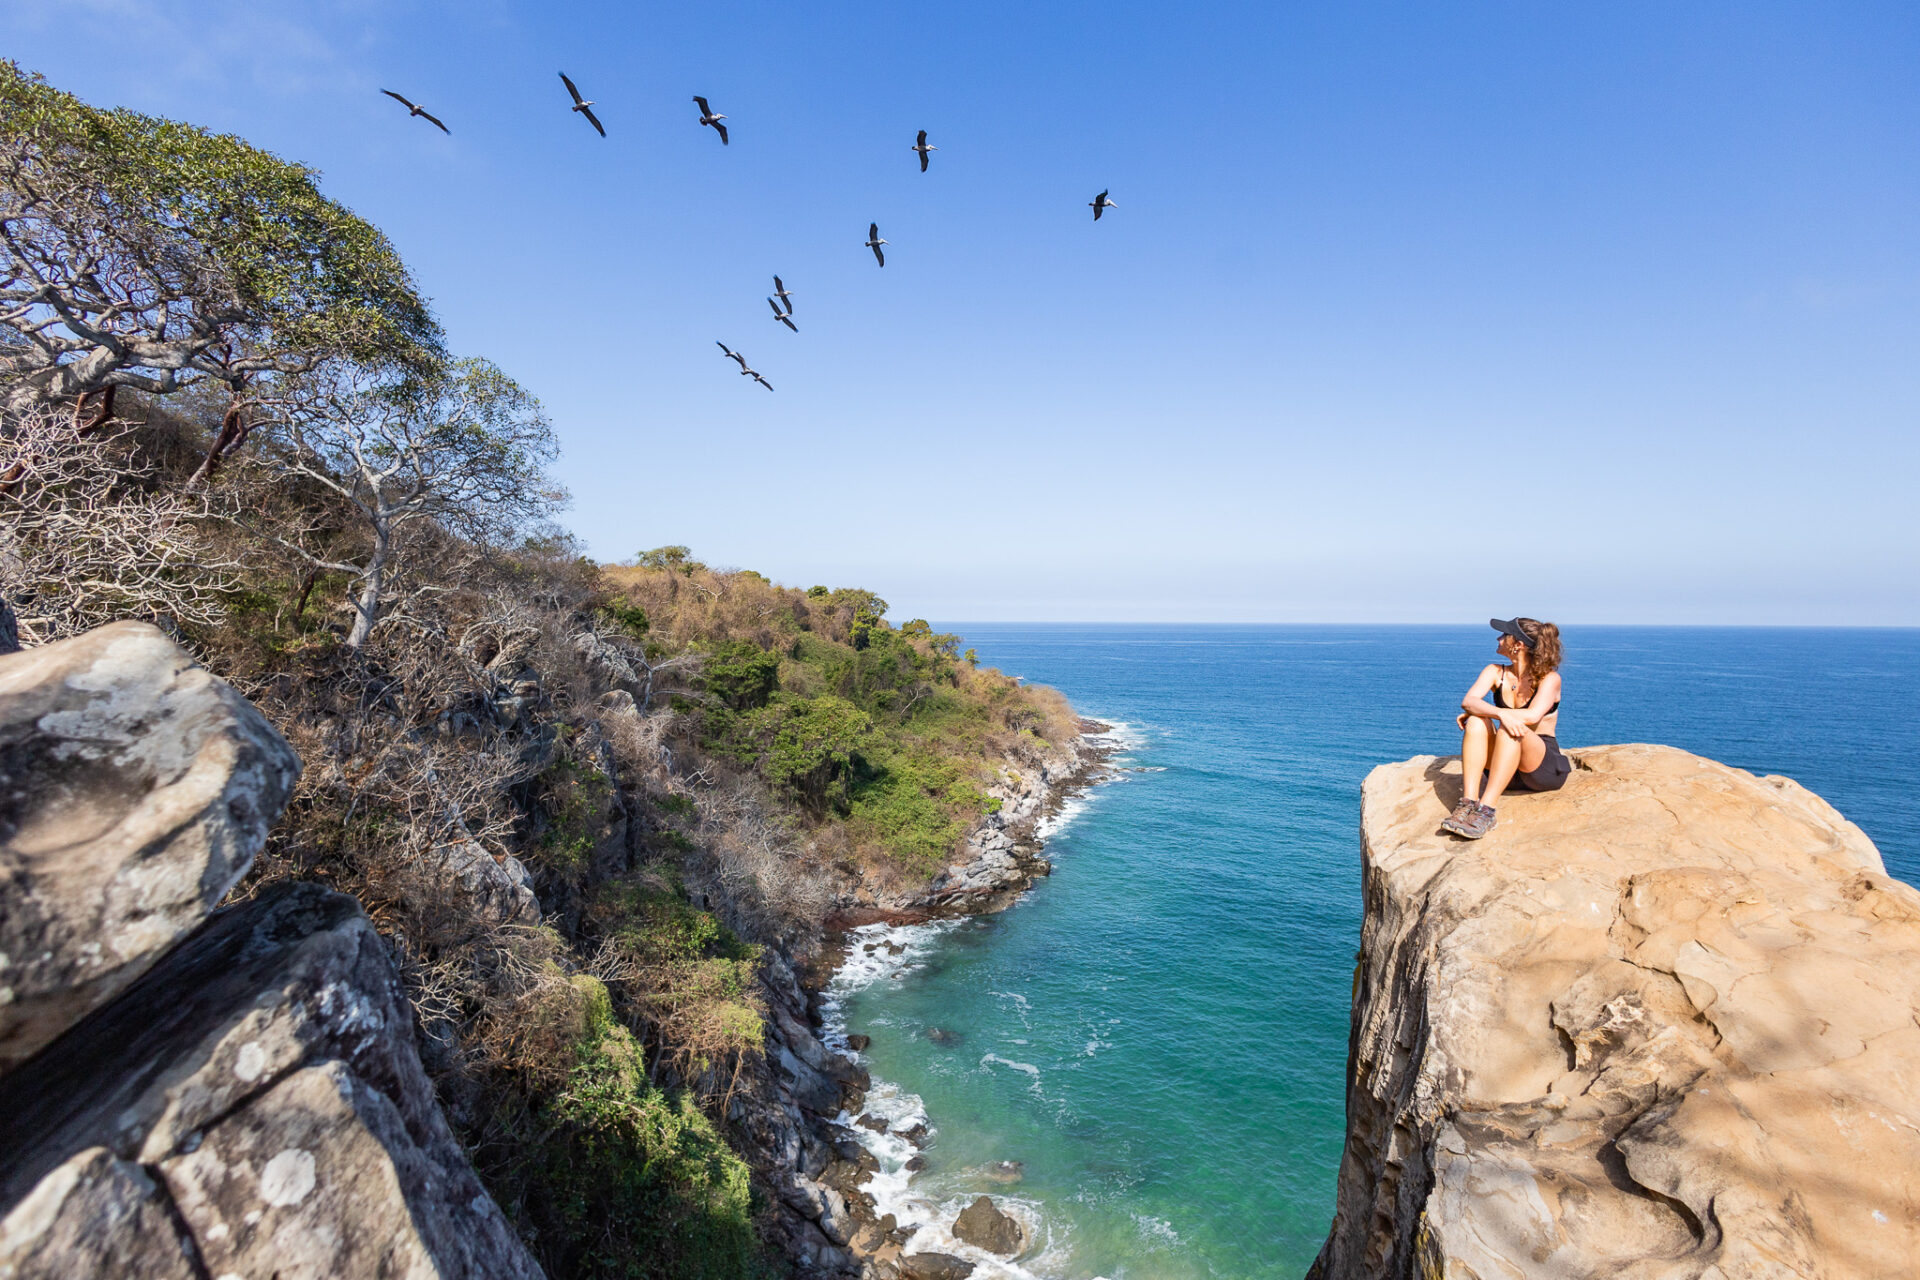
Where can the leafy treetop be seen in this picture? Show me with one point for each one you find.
(137, 251)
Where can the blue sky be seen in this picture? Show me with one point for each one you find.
(1408, 311)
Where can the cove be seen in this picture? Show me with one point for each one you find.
(1158, 1033)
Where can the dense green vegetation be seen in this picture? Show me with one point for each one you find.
(883, 735)
(625, 1180)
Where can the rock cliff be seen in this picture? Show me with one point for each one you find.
(234, 1094)
(1660, 1024)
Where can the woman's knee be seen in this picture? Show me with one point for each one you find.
(1532, 751)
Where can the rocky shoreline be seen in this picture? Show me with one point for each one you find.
(799, 1113)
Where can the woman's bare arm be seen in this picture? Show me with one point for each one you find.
(1475, 703)
(1544, 701)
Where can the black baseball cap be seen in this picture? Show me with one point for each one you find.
(1511, 627)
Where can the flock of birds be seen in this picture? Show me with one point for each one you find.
(782, 299)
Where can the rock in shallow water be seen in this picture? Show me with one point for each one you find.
(935, 1266)
(984, 1226)
(135, 789)
(1661, 1023)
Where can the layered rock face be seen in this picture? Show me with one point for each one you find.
(236, 1097)
(1662, 1023)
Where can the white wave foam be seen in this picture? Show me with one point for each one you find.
(881, 953)
(1025, 1068)
(1119, 733)
(875, 953)
(1158, 1231)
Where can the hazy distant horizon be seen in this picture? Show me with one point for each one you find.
(950, 625)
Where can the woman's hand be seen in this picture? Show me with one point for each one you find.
(1511, 723)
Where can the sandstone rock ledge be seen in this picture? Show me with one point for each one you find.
(1662, 1023)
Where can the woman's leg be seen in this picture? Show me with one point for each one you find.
(1473, 754)
(1510, 756)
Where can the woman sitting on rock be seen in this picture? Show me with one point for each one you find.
(1511, 740)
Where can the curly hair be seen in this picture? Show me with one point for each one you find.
(1543, 655)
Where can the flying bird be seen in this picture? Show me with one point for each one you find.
(782, 316)
(763, 382)
(708, 117)
(874, 242)
(1100, 204)
(785, 295)
(734, 356)
(412, 110)
(922, 147)
(583, 105)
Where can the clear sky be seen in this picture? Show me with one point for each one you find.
(1409, 311)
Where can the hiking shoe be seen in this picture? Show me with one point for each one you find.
(1457, 819)
(1479, 823)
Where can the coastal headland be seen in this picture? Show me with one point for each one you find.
(1663, 1023)
(207, 1065)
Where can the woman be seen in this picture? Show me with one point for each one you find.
(1513, 739)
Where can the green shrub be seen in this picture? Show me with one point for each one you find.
(634, 1183)
(743, 676)
(918, 806)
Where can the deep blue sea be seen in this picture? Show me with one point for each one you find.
(1158, 1033)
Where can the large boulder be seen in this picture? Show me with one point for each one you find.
(258, 1092)
(135, 789)
(935, 1266)
(1664, 1023)
(984, 1226)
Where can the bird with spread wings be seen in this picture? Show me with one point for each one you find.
(413, 110)
(583, 105)
(707, 117)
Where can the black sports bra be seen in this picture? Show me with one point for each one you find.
(1500, 698)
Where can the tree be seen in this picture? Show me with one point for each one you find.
(678, 559)
(466, 448)
(140, 252)
(815, 743)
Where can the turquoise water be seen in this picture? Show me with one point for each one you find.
(1158, 1033)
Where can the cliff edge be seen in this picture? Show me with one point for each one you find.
(1662, 1023)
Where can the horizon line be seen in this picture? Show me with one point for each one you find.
(1649, 626)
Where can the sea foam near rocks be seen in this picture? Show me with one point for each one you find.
(889, 953)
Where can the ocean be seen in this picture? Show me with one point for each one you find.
(1158, 1032)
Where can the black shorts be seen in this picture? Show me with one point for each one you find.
(1550, 774)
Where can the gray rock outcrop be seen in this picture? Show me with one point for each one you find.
(934, 1266)
(135, 789)
(1662, 1025)
(982, 1225)
(241, 1098)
